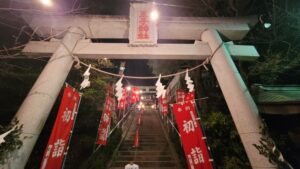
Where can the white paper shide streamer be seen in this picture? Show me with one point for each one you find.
(160, 89)
(2, 136)
(189, 82)
(280, 157)
(119, 89)
(86, 78)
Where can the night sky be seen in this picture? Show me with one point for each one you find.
(138, 68)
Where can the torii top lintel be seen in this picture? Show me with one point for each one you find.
(117, 27)
(142, 32)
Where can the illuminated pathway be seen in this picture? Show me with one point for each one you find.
(154, 151)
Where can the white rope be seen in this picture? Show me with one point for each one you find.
(206, 61)
(144, 77)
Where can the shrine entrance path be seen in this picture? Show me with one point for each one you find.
(154, 152)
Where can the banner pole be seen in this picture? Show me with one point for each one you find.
(204, 134)
(75, 117)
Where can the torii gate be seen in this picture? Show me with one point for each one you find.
(205, 31)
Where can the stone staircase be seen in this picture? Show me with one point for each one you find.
(154, 151)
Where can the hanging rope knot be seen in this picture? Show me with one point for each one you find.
(77, 65)
(145, 77)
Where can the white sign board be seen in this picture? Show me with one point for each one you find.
(142, 30)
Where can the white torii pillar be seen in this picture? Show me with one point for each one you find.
(240, 103)
(36, 107)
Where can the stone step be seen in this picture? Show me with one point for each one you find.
(146, 167)
(145, 158)
(158, 139)
(144, 148)
(146, 143)
(148, 136)
(145, 153)
(146, 132)
(146, 163)
(154, 151)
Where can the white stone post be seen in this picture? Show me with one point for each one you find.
(36, 107)
(240, 103)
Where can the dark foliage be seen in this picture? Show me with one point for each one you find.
(12, 140)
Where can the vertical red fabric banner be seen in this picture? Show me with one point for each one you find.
(164, 106)
(135, 95)
(139, 119)
(189, 96)
(194, 145)
(138, 125)
(59, 138)
(180, 94)
(136, 143)
(105, 121)
(122, 102)
(160, 100)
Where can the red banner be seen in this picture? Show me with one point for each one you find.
(105, 121)
(138, 125)
(143, 25)
(189, 96)
(136, 142)
(59, 139)
(164, 106)
(194, 145)
(135, 95)
(139, 119)
(180, 94)
(122, 102)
